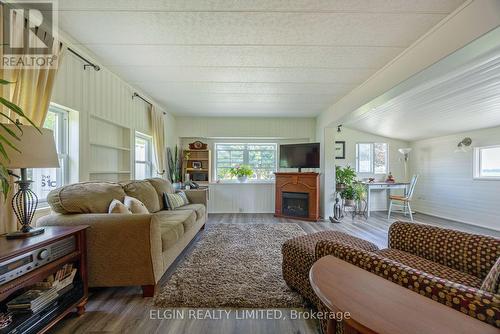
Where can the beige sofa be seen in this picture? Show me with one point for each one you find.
(128, 249)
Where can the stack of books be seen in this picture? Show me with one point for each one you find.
(32, 300)
(43, 293)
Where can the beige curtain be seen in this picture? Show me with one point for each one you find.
(32, 91)
(158, 124)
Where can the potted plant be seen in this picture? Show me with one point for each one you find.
(174, 167)
(241, 172)
(349, 196)
(10, 138)
(359, 191)
(344, 177)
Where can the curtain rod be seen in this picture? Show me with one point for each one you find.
(137, 95)
(88, 62)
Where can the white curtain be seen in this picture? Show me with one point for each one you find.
(158, 124)
(31, 90)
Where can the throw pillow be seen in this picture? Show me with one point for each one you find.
(134, 205)
(176, 200)
(118, 207)
(491, 282)
(165, 201)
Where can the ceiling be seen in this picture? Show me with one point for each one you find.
(457, 94)
(248, 58)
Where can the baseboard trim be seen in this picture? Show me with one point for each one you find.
(455, 220)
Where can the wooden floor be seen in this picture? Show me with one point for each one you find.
(123, 310)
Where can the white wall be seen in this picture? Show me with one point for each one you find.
(244, 127)
(396, 165)
(446, 187)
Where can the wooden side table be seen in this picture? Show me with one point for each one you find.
(377, 305)
(24, 262)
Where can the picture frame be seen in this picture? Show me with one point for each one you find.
(340, 149)
(196, 164)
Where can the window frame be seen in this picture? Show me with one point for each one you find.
(149, 154)
(476, 164)
(246, 160)
(61, 139)
(372, 162)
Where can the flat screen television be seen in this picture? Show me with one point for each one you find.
(299, 155)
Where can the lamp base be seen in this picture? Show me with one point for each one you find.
(23, 235)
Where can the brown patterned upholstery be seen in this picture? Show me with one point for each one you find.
(299, 256)
(469, 253)
(432, 268)
(410, 265)
(492, 282)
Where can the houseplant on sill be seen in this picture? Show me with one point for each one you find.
(241, 172)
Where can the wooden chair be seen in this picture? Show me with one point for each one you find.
(396, 200)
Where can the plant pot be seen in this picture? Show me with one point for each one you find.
(349, 202)
(340, 187)
(242, 179)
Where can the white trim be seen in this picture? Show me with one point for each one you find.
(476, 167)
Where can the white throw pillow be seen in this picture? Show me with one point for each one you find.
(134, 205)
(118, 207)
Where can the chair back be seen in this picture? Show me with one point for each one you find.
(411, 189)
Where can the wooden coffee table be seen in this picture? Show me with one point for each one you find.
(377, 305)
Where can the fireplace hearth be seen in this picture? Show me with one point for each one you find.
(295, 204)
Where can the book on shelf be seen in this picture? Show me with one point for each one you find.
(44, 292)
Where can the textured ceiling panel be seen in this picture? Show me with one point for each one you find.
(248, 58)
(248, 28)
(433, 6)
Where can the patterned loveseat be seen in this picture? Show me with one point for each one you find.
(458, 269)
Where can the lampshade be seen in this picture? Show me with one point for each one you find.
(404, 150)
(38, 150)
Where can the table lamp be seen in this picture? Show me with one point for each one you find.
(37, 150)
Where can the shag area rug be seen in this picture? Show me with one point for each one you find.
(233, 265)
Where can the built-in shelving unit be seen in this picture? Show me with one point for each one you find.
(200, 175)
(110, 150)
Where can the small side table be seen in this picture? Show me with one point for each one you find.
(57, 246)
(377, 305)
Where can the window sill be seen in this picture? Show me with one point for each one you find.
(241, 183)
(486, 178)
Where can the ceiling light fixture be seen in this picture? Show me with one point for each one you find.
(339, 128)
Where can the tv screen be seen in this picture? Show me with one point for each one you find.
(299, 155)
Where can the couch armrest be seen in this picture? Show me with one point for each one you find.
(477, 303)
(122, 249)
(199, 196)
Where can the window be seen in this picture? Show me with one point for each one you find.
(47, 179)
(143, 156)
(371, 158)
(487, 162)
(260, 157)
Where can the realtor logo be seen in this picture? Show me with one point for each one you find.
(29, 28)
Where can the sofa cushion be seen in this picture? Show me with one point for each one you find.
(144, 192)
(118, 207)
(492, 281)
(198, 208)
(134, 205)
(430, 267)
(171, 228)
(85, 197)
(161, 186)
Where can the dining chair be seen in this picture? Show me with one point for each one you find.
(403, 201)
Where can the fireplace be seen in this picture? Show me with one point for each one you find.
(295, 204)
(297, 196)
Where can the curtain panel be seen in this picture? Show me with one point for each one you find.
(158, 125)
(31, 89)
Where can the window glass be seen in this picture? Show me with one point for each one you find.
(143, 157)
(372, 158)
(487, 162)
(260, 157)
(47, 179)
